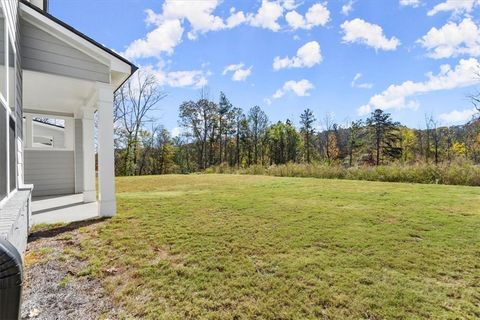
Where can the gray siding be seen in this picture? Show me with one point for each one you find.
(45, 53)
(11, 18)
(51, 172)
(14, 215)
(78, 156)
(12, 8)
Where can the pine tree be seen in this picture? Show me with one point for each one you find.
(258, 122)
(307, 120)
(385, 135)
(354, 139)
(225, 117)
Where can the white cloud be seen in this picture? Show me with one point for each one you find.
(198, 16)
(235, 19)
(307, 56)
(267, 15)
(363, 110)
(239, 72)
(164, 38)
(169, 26)
(456, 6)
(453, 40)
(242, 74)
(290, 4)
(198, 13)
(179, 78)
(410, 3)
(300, 88)
(177, 131)
(396, 96)
(360, 31)
(456, 116)
(295, 19)
(190, 78)
(232, 67)
(316, 15)
(347, 7)
(355, 84)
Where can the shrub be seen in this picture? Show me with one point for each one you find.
(458, 173)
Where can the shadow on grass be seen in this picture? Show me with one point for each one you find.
(51, 231)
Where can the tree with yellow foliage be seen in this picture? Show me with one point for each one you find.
(408, 142)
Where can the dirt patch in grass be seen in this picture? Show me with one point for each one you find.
(56, 285)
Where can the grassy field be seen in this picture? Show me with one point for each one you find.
(243, 247)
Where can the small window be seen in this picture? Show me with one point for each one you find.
(12, 154)
(48, 133)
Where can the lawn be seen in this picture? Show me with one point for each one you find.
(243, 247)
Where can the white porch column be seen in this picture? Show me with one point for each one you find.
(69, 133)
(28, 130)
(88, 150)
(106, 162)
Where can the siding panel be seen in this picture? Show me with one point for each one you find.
(45, 53)
(51, 172)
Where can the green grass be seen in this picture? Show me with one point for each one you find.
(243, 247)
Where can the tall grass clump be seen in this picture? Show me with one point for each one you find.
(459, 173)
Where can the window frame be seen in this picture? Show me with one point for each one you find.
(6, 39)
(10, 114)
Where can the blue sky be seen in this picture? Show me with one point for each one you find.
(343, 57)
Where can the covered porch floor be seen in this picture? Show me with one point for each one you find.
(62, 209)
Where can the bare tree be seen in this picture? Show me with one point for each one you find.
(328, 125)
(475, 97)
(428, 132)
(133, 104)
(432, 126)
(199, 118)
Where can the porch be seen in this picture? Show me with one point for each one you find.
(60, 154)
(69, 82)
(62, 209)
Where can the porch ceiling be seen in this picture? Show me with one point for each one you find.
(52, 93)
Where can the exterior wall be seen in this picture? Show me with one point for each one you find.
(11, 11)
(15, 211)
(45, 53)
(50, 171)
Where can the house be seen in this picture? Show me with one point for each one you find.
(49, 70)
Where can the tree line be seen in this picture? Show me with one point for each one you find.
(215, 132)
